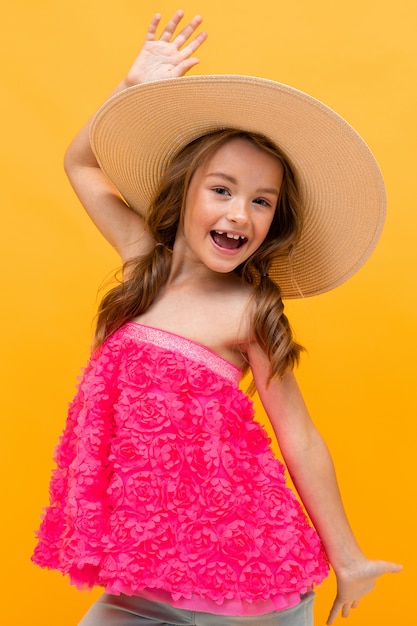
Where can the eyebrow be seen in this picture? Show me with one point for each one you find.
(231, 179)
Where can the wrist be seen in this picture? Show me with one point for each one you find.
(347, 562)
(126, 83)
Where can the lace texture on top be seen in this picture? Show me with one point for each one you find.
(164, 480)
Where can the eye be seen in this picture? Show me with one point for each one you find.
(262, 202)
(221, 191)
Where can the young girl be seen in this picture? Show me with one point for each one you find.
(222, 195)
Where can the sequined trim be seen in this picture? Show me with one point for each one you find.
(187, 347)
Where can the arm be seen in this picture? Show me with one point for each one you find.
(168, 57)
(311, 468)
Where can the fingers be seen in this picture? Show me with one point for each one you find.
(188, 31)
(344, 608)
(393, 568)
(353, 587)
(337, 605)
(194, 44)
(151, 32)
(183, 36)
(170, 28)
(183, 67)
(385, 567)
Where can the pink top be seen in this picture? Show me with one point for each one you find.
(167, 487)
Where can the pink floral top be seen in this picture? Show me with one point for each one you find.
(164, 482)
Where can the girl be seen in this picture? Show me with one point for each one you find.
(221, 195)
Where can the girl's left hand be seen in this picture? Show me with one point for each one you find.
(356, 582)
(169, 56)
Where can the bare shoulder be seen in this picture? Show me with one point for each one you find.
(241, 307)
(244, 305)
(234, 314)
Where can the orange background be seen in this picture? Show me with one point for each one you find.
(59, 61)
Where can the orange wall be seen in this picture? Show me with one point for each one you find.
(59, 60)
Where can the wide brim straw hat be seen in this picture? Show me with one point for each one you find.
(137, 132)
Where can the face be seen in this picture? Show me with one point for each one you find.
(230, 205)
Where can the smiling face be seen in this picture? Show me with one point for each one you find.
(230, 205)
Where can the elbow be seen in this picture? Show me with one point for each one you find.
(306, 449)
(68, 162)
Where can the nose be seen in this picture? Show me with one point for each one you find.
(238, 212)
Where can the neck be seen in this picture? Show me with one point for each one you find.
(186, 270)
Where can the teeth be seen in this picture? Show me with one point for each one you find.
(230, 235)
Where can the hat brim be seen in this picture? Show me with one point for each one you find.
(137, 132)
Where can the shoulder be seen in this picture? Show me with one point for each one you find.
(241, 307)
(240, 303)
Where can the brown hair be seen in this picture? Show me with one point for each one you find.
(146, 274)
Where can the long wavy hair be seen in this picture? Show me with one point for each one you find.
(146, 274)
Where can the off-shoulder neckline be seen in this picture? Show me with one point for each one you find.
(237, 372)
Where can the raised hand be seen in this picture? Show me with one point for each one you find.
(169, 56)
(355, 583)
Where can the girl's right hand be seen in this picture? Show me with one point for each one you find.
(169, 56)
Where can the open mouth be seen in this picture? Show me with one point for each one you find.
(227, 240)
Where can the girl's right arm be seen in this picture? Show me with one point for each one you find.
(166, 57)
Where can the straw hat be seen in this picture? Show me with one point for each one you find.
(136, 133)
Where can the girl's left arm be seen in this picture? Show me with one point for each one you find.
(311, 468)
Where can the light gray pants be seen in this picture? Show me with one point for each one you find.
(135, 611)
